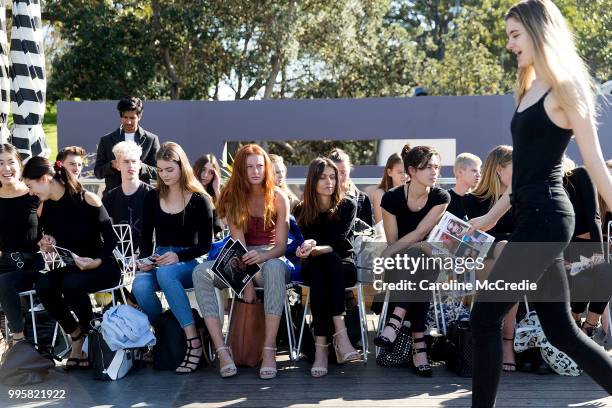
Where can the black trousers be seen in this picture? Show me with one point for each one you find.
(592, 287)
(14, 280)
(547, 230)
(67, 289)
(328, 275)
(596, 281)
(415, 302)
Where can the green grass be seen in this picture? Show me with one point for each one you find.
(50, 128)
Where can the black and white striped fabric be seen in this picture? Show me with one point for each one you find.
(5, 80)
(28, 79)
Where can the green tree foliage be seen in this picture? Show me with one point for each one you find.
(107, 55)
(244, 49)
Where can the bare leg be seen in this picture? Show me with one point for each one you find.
(388, 331)
(77, 356)
(319, 366)
(196, 351)
(268, 355)
(341, 337)
(508, 339)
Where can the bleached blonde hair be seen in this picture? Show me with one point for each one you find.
(555, 58)
(127, 147)
(466, 159)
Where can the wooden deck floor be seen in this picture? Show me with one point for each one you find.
(354, 385)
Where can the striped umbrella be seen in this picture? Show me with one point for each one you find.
(28, 79)
(5, 80)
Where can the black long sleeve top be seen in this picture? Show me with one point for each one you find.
(335, 232)
(192, 228)
(82, 228)
(19, 230)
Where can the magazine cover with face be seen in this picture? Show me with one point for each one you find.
(230, 268)
(451, 237)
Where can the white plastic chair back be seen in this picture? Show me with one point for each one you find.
(124, 253)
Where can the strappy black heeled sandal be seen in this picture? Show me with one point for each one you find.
(187, 362)
(423, 370)
(383, 341)
(589, 328)
(77, 363)
(509, 367)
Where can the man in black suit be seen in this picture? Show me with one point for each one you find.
(106, 167)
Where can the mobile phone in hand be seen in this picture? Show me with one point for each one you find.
(150, 260)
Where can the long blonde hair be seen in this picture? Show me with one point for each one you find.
(490, 186)
(555, 58)
(170, 151)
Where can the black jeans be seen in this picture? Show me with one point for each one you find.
(548, 229)
(328, 275)
(13, 280)
(64, 289)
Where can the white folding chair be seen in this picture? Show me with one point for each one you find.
(32, 309)
(52, 261)
(293, 355)
(126, 259)
(363, 322)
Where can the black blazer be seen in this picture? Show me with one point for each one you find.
(112, 178)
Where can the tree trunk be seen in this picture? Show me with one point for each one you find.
(175, 81)
(276, 65)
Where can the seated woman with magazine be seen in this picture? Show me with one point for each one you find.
(257, 213)
(410, 212)
(180, 213)
(74, 219)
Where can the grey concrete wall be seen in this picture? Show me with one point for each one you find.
(478, 123)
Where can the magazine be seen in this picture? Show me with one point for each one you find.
(231, 270)
(65, 255)
(450, 237)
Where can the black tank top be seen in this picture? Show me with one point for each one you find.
(538, 147)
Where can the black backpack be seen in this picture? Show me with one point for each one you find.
(170, 348)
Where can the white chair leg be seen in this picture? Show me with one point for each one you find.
(33, 315)
(66, 340)
(299, 347)
(123, 289)
(363, 322)
(382, 318)
(290, 333)
(293, 340)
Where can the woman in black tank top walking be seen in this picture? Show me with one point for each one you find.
(555, 100)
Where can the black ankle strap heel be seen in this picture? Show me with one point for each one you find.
(423, 370)
(383, 341)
